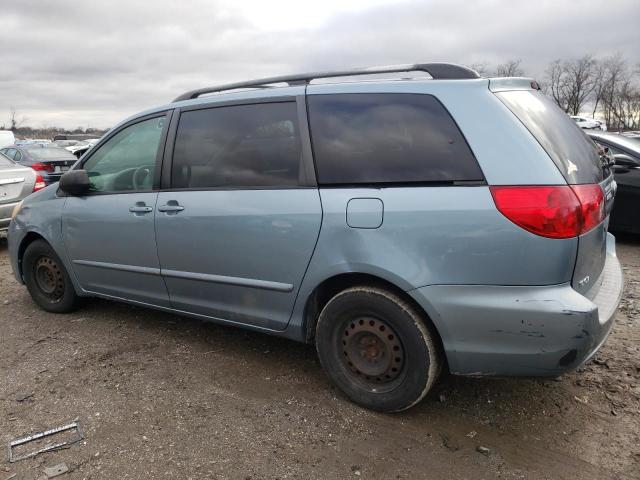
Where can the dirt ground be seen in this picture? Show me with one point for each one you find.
(161, 396)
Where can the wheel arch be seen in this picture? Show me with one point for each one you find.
(28, 239)
(331, 286)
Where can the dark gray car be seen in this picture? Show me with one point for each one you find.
(625, 216)
(49, 160)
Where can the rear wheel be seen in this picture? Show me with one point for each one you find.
(377, 349)
(47, 280)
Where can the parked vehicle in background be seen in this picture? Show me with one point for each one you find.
(16, 182)
(81, 147)
(74, 136)
(632, 134)
(589, 123)
(404, 241)
(625, 216)
(6, 138)
(32, 141)
(48, 160)
(66, 143)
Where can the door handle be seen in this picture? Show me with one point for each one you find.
(172, 206)
(140, 207)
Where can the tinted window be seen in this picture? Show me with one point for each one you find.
(239, 146)
(387, 138)
(564, 141)
(50, 153)
(10, 152)
(127, 160)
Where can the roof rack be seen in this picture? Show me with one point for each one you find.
(438, 71)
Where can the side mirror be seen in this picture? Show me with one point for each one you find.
(75, 182)
(625, 160)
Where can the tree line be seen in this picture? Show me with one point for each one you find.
(607, 86)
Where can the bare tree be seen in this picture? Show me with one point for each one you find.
(14, 121)
(510, 68)
(555, 84)
(600, 83)
(482, 68)
(616, 76)
(579, 82)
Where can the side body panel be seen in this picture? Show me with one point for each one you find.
(238, 255)
(432, 236)
(113, 250)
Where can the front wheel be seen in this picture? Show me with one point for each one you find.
(377, 349)
(47, 280)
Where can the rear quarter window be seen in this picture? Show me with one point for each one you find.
(387, 138)
(571, 150)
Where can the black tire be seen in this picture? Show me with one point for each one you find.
(377, 349)
(47, 280)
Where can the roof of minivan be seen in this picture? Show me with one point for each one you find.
(441, 75)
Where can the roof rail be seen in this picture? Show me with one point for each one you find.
(437, 71)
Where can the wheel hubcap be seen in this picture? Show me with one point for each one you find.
(372, 350)
(49, 278)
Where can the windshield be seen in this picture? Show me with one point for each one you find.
(51, 153)
(567, 145)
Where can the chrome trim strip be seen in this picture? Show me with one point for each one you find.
(117, 266)
(8, 181)
(241, 282)
(202, 277)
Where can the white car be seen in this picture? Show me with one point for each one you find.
(82, 146)
(589, 123)
(6, 138)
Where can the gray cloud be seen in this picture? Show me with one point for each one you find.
(76, 63)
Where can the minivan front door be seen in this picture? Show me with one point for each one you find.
(109, 233)
(237, 229)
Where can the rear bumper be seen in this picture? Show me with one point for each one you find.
(523, 330)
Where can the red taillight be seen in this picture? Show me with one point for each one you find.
(39, 185)
(552, 211)
(42, 167)
(591, 200)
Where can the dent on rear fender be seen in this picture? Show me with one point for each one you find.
(510, 330)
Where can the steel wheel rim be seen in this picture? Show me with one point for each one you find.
(372, 353)
(49, 278)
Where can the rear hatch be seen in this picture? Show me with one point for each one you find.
(580, 163)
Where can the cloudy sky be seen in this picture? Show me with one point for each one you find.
(91, 63)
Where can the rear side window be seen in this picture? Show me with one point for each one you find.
(10, 152)
(239, 146)
(387, 138)
(567, 145)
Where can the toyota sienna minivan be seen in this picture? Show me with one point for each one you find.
(404, 224)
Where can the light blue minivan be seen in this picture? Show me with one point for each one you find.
(405, 219)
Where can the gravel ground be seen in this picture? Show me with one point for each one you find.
(161, 396)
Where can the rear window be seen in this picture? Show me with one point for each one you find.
(568, 146)
(387, 138)
(51, 154)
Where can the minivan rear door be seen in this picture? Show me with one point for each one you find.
(239, 219)
(577, 158)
